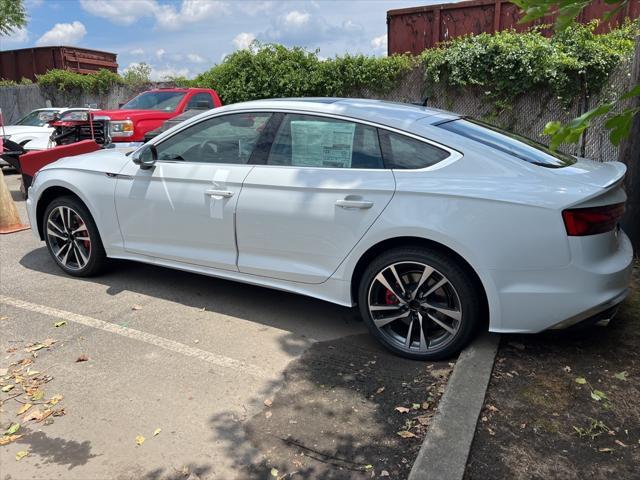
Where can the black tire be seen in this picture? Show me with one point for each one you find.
(94, 252)
(460, 294)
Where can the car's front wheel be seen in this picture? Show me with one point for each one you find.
(419, 303)
(72, 237)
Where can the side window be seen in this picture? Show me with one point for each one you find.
(310, 141)
(200, 101)
(225, 139)
(402, 152)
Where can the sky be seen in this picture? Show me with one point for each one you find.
(186, 37)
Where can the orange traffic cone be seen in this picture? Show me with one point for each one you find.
(9, 218)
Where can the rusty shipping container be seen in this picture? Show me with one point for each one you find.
(29, 62)
(415, 29)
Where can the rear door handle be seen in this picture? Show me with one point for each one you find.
(362, 204)
(219, 193)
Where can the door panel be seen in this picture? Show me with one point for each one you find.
(181, 211)
(290, 225)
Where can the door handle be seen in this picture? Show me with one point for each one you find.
(362, 204)
(219, 193)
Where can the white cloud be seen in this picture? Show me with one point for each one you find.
(160, 74)
(191, 11)
(296, 18)
(160, 53)
(18, 36)
(243, 40)
(121, 12)
(63, 34)
(137, 52)
(195, 58)
(255, 8)
(379, 43)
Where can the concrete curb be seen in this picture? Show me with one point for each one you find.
(444, 452)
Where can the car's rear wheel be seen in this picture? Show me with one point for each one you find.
(72, 237)
(420, 304)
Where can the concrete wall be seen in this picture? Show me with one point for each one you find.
(17, 101)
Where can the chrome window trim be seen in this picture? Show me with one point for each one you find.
(454, 155)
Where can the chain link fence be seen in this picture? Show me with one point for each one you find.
(528, 114)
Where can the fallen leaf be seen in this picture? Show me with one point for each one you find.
(406, 434)
(621, 375)
(268, 402)
(423, 419)
(274, 472)
(7, 388)
(621, 444)
(60, 324)
(139, 440)
(156, 432)
(402, 409)
(13, 428)
(380, 390)
(4, 318)
(567, 369)
(37, 415)
(136, 307)
(492, 408)
(598, 395)
(268, 414)
(581, 380)
(24, 408)
(21, 454)
(415, 406)
(31, 373)
(82, 358)
(7, 439)
(55, 399)
(605, 450)
(384, 473)
(368, 467)
(59, 412)
(425, 405)
(37, 395)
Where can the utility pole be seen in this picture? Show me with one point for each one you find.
(629, 153)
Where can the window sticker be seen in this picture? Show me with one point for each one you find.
(321, 144)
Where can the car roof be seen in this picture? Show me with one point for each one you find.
(394, 114)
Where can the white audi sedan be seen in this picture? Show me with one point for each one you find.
(435, 225)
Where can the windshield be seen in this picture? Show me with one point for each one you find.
(165, 101)
(33, 119)
(522, 147)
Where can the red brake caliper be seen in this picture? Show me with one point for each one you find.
(390, 298)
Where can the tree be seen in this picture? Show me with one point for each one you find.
(137, 74)
(13, 16)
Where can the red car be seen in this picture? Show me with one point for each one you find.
(152, 108)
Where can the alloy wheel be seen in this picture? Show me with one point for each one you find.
(415, 307)
(69, 238)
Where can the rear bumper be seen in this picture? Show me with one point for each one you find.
(537, 300)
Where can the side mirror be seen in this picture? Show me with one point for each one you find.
(146, 156)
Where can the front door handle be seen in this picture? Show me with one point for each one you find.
(219, 193)
(362, 204)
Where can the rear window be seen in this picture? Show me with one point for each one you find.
(516, 145)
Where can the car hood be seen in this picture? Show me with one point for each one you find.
(134, 114)
(23, 129)
(109, 160)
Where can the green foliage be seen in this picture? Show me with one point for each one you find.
(507, 64)
(567, 10)
(100, 82)
(270, 70)
(137, 74)
(13, 16)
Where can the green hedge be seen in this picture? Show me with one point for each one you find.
(270, 70)
(506, 64)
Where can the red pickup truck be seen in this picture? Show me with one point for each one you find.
(152, 108)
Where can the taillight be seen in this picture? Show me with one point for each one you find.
(592, 220)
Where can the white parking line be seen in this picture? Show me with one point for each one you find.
(218, 360)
